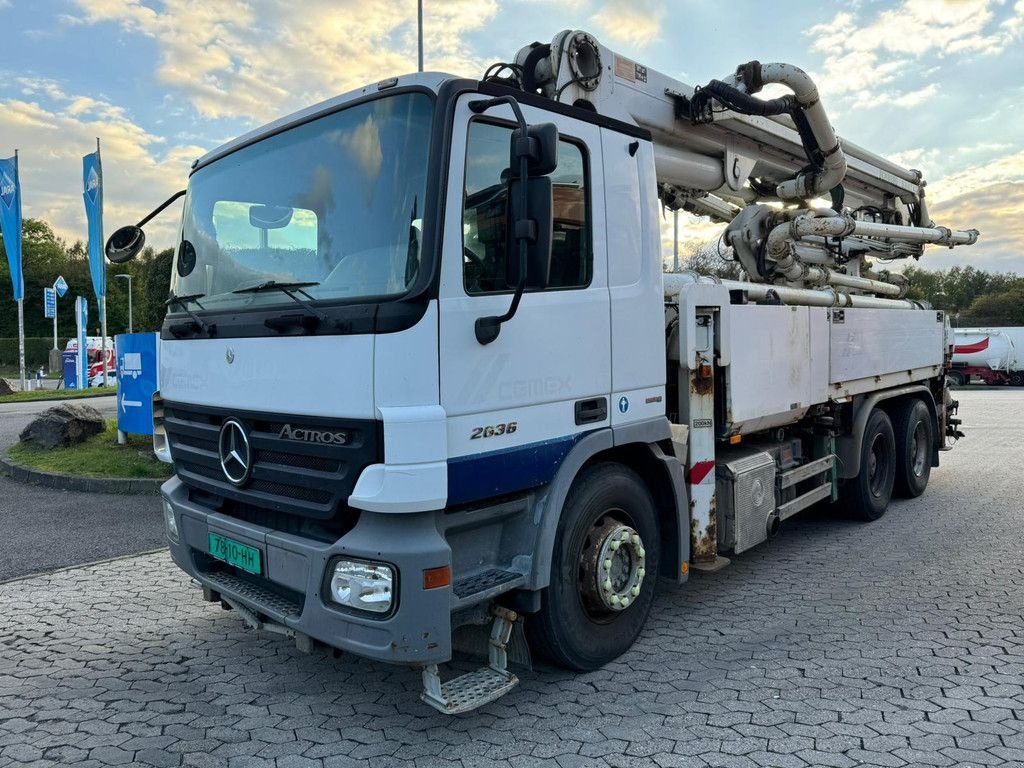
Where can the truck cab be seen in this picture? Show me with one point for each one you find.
(380, 468)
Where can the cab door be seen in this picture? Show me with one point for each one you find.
(517, 406)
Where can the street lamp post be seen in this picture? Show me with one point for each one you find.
(129, 279)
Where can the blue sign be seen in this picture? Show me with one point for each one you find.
(70, 369)
(623, 404)
(10, 221)
(61, 286)
(137, 366)
(92, 180)
(49, 302)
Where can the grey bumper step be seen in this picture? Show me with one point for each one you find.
(474, 689)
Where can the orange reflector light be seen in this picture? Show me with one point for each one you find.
(437, 577)
(684, 568)
(734, 439)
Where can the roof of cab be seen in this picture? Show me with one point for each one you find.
(429, 80)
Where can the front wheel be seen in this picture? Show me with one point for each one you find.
(1017, 378)
(868, 494)
(603, 571)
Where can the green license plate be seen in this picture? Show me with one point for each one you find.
(235, 553)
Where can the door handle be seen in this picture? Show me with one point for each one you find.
(589, 411)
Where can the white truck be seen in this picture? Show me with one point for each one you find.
(993, 355)
(422, 375)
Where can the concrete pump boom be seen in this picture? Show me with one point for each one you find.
(721, 152)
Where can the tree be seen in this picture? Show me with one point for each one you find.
(1005, 308)
(956, 289)
(710, 258)
(152, 271)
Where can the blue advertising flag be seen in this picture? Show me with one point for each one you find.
(92, 180)
(10, 221)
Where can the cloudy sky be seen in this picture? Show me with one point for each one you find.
(935, 85)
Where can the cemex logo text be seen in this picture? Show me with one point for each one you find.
(6, 189)
(313, 436)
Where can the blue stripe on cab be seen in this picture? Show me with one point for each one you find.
(495, 473)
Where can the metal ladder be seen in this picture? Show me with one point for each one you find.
(474, 689)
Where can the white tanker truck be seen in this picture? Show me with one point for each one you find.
(992, 355)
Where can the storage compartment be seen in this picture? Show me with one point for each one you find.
(745, 490)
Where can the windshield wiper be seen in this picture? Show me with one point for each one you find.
(196, 323)
(274, 285)
(293, 291)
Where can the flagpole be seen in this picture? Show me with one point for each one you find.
(419, 19)
(103, 261)
(21, 301)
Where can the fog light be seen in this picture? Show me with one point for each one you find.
(363, 586)
(171, 522)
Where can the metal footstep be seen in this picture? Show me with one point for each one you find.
(474, 689)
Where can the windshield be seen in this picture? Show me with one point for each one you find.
(336, 202)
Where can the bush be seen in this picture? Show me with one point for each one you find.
(37, 351)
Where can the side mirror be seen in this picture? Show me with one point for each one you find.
(535, 225)
(125, 244)
(540, 147)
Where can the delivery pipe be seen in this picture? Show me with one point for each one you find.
(809, 183)
(824, 297)
(687, 169)
(783, 236)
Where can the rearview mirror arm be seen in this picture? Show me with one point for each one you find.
(487, 328)
(160, 208)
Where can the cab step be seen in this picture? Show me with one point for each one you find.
(474, 689)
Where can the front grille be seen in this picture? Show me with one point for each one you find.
(303, 479)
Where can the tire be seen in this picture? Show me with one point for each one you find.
(956, 378)
(574, 628)
(1017, 379)
(915, 439)
(868, 494)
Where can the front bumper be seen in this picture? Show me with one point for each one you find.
(290, 592)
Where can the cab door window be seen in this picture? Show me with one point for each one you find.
(486, 245)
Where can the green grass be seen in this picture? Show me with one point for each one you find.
(57, 394)
(99, 456)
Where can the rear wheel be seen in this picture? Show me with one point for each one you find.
(956, 378)
(915, 437)
(868, 494)
(1017, 378)
(603, 571)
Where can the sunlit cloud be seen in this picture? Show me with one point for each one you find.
(258, 60)
(140, 169)
(633, 22)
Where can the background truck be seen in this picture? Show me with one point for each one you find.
(994, 355)
(423, 378)
(94, 351)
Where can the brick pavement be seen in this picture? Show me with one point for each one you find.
(899, 643)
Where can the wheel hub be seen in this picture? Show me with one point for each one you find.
(613, 567)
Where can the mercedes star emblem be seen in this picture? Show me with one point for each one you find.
(235, 453)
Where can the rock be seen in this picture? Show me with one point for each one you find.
(7, 387)
(63, 425)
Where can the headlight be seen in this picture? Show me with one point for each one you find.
(363, 586)
(171, 521)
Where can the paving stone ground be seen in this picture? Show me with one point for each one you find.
(899, 643)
